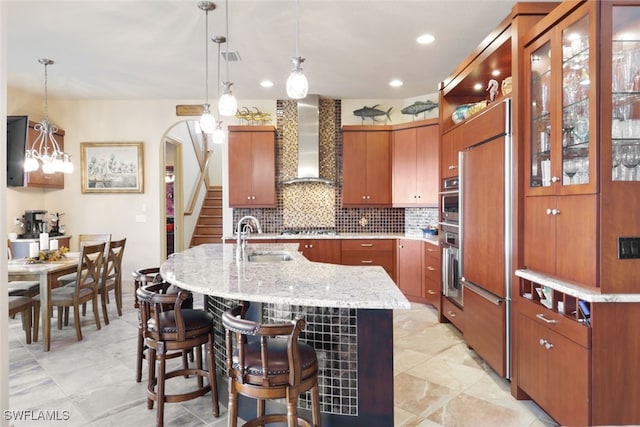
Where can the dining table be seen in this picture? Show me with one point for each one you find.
(47, 273)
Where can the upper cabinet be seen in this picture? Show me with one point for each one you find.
(17, 141)
(561, 119)
(415, 164)
(366, 166)
(252, 166)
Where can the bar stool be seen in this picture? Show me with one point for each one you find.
(270, 367)
(142, 277)
(24, 306)
(176, 330)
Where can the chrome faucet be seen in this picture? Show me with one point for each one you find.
(244, 232)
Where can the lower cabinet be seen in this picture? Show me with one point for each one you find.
(452, 313)
(409, 268)
(553, 370)
(369, 252)
(318, 250)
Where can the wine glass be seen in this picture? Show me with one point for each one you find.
(570, 168)
(631, 159)
(583, 170)
(616, 161)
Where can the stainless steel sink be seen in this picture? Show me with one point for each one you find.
(275, 256)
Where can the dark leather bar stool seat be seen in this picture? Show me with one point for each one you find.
(170, 331)
(273, 366)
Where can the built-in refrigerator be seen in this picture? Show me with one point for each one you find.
(485, 235)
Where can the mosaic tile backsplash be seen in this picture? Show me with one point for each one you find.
(314, 205)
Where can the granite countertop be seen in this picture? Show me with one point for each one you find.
(270, 236)
(216, 270)
(573, 289)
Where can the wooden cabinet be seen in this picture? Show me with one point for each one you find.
(409, 276)
(252, 166)
(366, 166)
(452, 313)
(432, 282)
(370, 252)
(318, 250)
(451, 144)
(415, 164)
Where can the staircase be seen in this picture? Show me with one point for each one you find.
(209, 226)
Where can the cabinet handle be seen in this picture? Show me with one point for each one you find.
(248, 197)
(544, 319)
(431, 268)
(553, 211)
(431, 250)
(431, 292)
(451, 313)
(366, 245)
(310, 246)
(364, 197)
(555, 179)
(451, 167)
(365, 261)
(546, 344)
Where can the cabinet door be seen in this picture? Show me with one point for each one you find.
(263, 165)
(405, 162)
(532, 362)
(378, 168)
(354, 163)
(428, 166)
(39, 179)
(322, 250)
(409, 271)
(240, 169)
(451, 144)
(540, 234)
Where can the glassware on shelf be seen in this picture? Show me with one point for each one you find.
(570, 167)
(631, 160)
(616, 163)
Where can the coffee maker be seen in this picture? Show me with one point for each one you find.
(34, 223)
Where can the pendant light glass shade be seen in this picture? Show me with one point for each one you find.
(297, 84)
(45, 149)
(227, 104)
(207, 121)
(219, 134)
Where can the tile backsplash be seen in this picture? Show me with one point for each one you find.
(315, 205)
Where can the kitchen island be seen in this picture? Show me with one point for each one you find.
(348, 310)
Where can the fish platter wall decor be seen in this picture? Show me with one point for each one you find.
(419, 107)
(372, 113)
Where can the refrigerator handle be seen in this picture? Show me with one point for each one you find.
(483, 293)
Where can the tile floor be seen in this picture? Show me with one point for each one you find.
(439, 381)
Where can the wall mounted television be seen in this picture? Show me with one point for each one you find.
(17, 129)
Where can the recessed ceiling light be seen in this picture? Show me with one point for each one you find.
(478, 86)
(395, 83)
(425, 39)
(495, 73)
(266, 83)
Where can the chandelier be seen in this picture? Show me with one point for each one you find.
(297, 84)
(45, 149)
(207, 121)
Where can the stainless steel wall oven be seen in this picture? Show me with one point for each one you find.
(450, 243)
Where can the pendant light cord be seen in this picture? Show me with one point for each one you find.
(297, 27)
(226, 30)
(206, 55)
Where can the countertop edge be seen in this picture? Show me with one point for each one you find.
(434, 240)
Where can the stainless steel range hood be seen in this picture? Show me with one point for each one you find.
(308, 142)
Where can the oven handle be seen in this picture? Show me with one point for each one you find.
(445, 270)
(482, 292)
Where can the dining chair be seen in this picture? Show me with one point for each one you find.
(21, 288)
(168, 328)
(112, 277)
(83, 240)
(24, 306)
(88, 274)
(267, 361)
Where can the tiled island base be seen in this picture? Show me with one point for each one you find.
(355, 353)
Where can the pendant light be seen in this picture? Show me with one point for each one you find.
(207, 121)
(297, 84)
(45, 149)
(227, 104)
(219, 135)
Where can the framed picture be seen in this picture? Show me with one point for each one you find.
(112, 167)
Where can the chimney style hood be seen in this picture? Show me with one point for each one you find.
(308, 142)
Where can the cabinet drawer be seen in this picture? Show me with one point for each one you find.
(453, 313)
(367, 245)
(556, 322)
(431, 269)
(383, 259)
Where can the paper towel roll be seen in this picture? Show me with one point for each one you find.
(33, 249)
(53, 244)
(44, 241)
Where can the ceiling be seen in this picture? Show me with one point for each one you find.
(156, 49)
